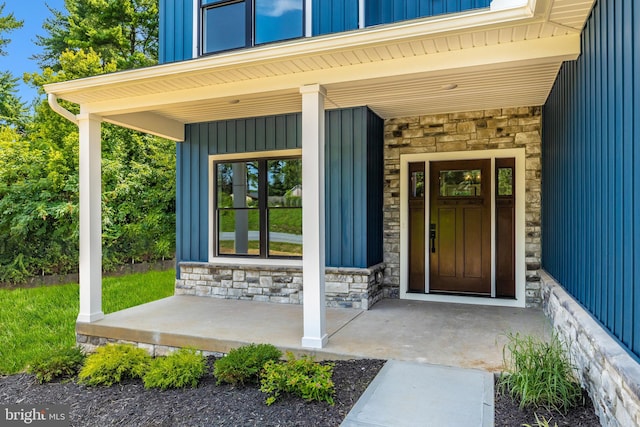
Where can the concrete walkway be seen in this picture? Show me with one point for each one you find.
(405, 394)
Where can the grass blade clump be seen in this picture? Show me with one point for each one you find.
(182, 368)
(541, 423)
(63, 363)
(539, 373)
(302, 377)
(244, 364)
(113, 363)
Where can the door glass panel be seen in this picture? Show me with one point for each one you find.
(505, 181)
(278, 20)
(460, 183)
(225, 27)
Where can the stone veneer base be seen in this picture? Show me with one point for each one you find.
(606, 370)
(344, 287)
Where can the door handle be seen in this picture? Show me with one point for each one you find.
(432, 237)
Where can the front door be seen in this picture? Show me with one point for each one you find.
(460, 227)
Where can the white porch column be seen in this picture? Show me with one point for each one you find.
(90, 219)
(313, 255)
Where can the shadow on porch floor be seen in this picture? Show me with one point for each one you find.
(438, 333)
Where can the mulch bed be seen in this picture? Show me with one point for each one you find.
(130, 404)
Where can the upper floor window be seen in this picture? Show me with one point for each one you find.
(232, 24)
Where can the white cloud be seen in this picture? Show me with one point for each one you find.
(278, 7)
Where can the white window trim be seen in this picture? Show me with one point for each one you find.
(520, 266)
(195, 48)
(308, 18)
(230, 260)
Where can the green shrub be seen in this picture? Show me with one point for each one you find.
(180, 369)
(113, 363)
(63, 363)
(302, 377)
(244, 364)
(539, 373)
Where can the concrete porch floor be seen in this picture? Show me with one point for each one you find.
(459, 335)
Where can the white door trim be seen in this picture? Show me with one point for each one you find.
(519, 155)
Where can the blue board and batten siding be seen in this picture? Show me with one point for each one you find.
(354, 186)
(175, 30)
(388, 11)
(591, 172)
(328, 16)
(333, 16)
(354, 179)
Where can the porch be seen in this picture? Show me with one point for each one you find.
(428, 332)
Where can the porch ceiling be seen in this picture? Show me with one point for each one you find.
(503, 57)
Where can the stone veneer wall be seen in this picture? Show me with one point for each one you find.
(344, 287)
(605, 369)
(474, 130)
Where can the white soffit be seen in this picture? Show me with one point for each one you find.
(508, 56)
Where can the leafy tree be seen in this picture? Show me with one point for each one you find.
(123, 31)
(39, 166)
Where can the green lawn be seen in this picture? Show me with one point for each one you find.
(37, 320)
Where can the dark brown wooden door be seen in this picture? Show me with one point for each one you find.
(460, 227)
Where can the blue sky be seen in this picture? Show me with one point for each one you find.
(22, 46)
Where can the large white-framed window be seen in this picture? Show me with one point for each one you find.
(256, 205)
(233, 24)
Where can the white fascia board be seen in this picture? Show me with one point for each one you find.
(513, 4)
(149, 123)
(418, 28)
(536, 51)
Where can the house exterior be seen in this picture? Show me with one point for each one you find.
(339, 152)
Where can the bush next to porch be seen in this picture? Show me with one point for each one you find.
(302, 377)
(182, 368)
(113, 363)
(244, 364)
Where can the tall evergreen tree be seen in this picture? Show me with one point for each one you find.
(12, 109)
(124, 31)
(8, 23)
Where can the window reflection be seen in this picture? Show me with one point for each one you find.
(417, 184)
(505, 181)
(277, 20)
(259, 207)
(460, 183)
(225, 27)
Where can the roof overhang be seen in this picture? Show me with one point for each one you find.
(505, 56)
